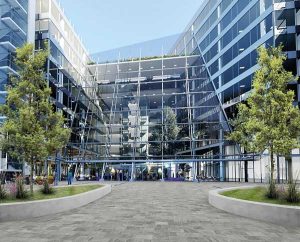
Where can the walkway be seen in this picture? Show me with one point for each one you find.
(148, 212)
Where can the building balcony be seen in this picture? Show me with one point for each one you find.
(11, 42)
(20, 4)
(14, 22)
(236, 100)
(8, 67)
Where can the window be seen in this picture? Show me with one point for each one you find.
(224, 4)
(244, 43)
(288, 41)
(255, 34)
(244, 64)
(214, 67)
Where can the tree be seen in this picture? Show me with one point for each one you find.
(167, 133)
(269, 121)
(32, 131)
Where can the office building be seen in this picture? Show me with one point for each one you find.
(158, 116)
(13, 34)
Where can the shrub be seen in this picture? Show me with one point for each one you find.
(272, 191)
(281, 192)
(47, 189)
(292, 195)
(3, 193)
(21, 192)
(12, 189)
(50, 179)
(39, 180)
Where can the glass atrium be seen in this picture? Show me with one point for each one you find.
(159, 110)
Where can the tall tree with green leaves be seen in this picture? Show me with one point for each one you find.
(33, 130)
(269, 120)
(166, 133)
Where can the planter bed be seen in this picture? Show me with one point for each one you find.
(273, 213)
(49, 204)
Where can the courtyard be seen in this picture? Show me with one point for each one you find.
(148, 211)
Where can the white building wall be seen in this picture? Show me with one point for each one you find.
(259, 170)
(296, 164)
(235, 170)
(31, 21)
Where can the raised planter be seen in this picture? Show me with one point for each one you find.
(25, 210)
(272, 213)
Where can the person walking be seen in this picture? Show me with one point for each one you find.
(70, 174)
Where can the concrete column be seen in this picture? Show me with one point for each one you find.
(194, 172)
(222, 170)
(81, 176)
(162, 172)
(222, 163)
(103, 172)
(31, 21)
(132, 178)
(173, 170)
(57, 171)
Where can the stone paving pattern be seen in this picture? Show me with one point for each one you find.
(148, 211)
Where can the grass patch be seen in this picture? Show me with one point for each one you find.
(58, 193)
(257, 194)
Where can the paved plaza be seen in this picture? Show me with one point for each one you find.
(148, 211)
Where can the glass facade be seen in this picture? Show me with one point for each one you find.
(159, 110)
(227, 34)
(13, 34)
(168, 112)
(74, 92)
(141, 96)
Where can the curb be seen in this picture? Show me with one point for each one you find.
(278, 214)
(33, 209)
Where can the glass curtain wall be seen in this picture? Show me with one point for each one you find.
(162, 109)
(73, 88)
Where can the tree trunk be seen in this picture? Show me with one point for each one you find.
(31, 177)
(272, 164)
(246, 171)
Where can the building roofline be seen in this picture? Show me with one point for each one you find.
(144, 60)
(187, 28)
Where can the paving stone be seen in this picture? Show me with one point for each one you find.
(148, 211)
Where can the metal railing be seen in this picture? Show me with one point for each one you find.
(13, 38)
(9, 63)
(16, 18)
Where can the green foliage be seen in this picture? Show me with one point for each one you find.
(39, 180)
(256, 194)
(32, 130)
(170, 127)
(269, 120)
(272, 191)
(3, 193)
(47, 189)
(166, 133)
(21, 192)
(59, 192)
(50, 179)
(292, 194)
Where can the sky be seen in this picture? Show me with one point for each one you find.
(109, 24)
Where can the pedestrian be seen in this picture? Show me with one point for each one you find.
(70, 177)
